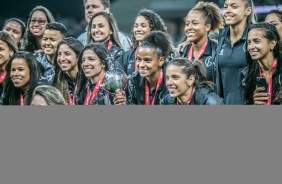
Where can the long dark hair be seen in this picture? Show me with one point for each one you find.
(11, 93)
(270, 33)
(195, 68)
(59, 79)
(113, 26)
(103, 53)
(30, 43)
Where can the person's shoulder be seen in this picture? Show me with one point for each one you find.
(122, 35)
(39, 55)
(223, 30)
(167, 100)
(82, 38)
(213, 41)
(207, 96)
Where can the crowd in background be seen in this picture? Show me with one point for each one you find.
(225, 59)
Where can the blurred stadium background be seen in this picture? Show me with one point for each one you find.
(71, 12)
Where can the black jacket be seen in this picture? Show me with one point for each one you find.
(276, 84)
(207, 57)
(116, 52)
(201, 96)
(219, 89)
(1, 93)
(103, 97)
(136, 90)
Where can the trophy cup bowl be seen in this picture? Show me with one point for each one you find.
(114, 80)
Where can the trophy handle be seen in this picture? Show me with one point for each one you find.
(111, 64)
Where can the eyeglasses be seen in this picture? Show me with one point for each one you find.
(40, 22)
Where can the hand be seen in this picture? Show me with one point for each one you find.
(182, 46)
(120, 98)
(260, 97)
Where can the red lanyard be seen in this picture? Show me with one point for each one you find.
(199, 54)
(87, 100)
(71, 99)
(21, 100)
(135, 55)
(2, 76)
(147, 94)
(269, 88)
(190, 98)
(110, 44)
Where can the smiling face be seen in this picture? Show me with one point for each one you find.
(50, 41)
(148, 62)
(196, 28)
(235, 12)
(20, 73)
(177, 82)
(92, 65)
(141, 28)
(38, 23)
(91, 7)
(14, 29)
(258, 45)
(67, 58)
(273, 19)
(100, 29)
(5, 53)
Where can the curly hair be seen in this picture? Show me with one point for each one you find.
(211, 13)
(156, 23)
(158, 41)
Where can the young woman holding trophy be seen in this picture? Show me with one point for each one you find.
(94, 64)
(147, 85)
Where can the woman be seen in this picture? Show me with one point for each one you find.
(47, 95)
(36, 23)
(67, 67)
(23, 72)
(15, 28)
(201, 20)
(275, 17)
(188, 85)
(264, 60)
(147, 85)
(230, 56)
(8, 48)
(103, 29)
(145, 22)
(94, 64)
